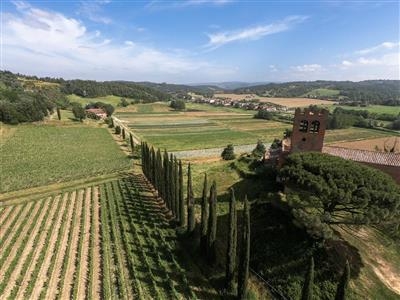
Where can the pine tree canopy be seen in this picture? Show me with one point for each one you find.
(323, 190)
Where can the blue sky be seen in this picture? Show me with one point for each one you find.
(197, 41)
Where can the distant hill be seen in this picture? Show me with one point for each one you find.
(229, 85)
(385, 92)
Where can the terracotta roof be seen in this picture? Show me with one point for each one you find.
(379, 158)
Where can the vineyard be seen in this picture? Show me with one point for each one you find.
(108, 241)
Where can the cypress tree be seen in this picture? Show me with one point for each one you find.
(181, 200)
(132, 143)
(243, 272)
(153, 167)
(190, 203)
(166, 179)
(307, 293)
(342, 289)
(123, 133)
(159, 172)
(58, 113)
(204, 218)
(232, 243)
(212, 225)
(176, 192)
(172, 183)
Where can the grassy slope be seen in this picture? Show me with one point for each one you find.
(42, 154)
(113, 100)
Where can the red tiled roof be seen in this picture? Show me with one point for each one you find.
(379, 158)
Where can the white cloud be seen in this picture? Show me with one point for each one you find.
(162, 4)
(254, 33)
(307, 68)
(381, 47)
(41, 42)
(347, 63)
(92, 10)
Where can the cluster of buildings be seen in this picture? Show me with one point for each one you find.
(244, 104)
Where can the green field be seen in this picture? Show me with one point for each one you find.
(322, 93)
(38, 154)
(113, 100)
(380, 109)
(207, 126)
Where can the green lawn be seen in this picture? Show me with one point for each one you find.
(38, 154)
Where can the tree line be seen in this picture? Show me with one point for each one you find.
(385, 92)
(165, 173)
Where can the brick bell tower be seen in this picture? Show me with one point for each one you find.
(309, 127)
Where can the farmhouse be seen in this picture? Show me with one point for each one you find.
(96, 113)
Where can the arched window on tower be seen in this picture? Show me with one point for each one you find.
(303, 126)
(314, 126)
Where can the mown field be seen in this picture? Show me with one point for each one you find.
(107, 241)
(35, 155)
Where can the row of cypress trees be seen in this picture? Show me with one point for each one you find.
(165, 173)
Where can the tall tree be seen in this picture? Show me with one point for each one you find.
(58, 113)
(78, 111)
(176, 191)
(204, 218)
(172, 184)
(123, 133)
(342, 289)
(131, 142)
(212, 225)
(319, 197)
(243, 271)
(232, 243)
(190, 203)
(181, 200)
(166, 179)
(307, 292)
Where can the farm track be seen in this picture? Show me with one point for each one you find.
(35, 263)
(96, 278)
(71, 256)
(53, 290)
(84, 257)
(45, 216)
(41, 277)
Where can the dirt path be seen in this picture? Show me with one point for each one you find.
(46, 214)
(375, 256)
(11, 218)
(96, 251)
(72, 255)
(41, 277)
(55, 276)
(28, 209)
(83, 271)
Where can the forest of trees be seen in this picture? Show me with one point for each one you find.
(386, 92)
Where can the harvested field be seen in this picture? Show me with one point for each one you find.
(108, 241)
(378, 144)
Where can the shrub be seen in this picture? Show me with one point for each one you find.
(228, 153)
(117, 130)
